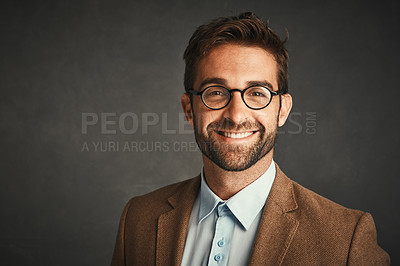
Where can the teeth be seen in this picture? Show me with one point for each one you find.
(237, 135)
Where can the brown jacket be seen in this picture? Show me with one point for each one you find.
(298, 227)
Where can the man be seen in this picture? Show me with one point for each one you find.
(241, 209)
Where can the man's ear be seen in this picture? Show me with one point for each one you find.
(286, 106)
(187, 107)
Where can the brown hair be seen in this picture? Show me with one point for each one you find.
(245, 29)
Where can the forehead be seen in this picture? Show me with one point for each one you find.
(238, 65)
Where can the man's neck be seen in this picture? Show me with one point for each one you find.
(225, 184)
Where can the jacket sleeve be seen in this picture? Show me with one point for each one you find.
(364, 249)
(118, 258)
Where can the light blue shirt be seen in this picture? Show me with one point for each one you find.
(223, 232)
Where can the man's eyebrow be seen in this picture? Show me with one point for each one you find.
(263, 83)
(223, 82)
(208, 81)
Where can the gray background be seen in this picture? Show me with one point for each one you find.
(61, 205)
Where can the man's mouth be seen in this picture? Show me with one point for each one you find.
(235, 135)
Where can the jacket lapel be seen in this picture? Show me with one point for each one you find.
(172, 225)
(277, 226)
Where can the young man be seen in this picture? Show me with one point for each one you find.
(242, 209)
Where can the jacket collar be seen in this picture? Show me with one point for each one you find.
(274, 236)
(277, 226)
(172, 225)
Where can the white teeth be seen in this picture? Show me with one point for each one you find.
(237, 135)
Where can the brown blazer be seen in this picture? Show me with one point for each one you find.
(298, 227)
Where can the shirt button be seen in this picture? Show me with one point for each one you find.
(218, 257)
(221, 243)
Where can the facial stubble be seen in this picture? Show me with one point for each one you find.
(232, 157)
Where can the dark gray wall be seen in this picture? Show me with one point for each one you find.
(60, 203)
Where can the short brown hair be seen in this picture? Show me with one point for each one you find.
(245, 29)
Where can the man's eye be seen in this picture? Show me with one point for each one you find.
(215, 93)
(257, 94)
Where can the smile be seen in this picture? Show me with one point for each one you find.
(237, 135)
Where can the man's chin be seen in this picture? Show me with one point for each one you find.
(231, 156)
(233, 159)
(229, 165)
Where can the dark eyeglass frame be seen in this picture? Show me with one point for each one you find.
(273, 93)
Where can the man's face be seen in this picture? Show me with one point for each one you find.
(235, 137)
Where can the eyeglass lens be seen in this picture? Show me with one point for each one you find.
(255, 97)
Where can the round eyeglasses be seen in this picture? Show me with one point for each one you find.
(217, 97)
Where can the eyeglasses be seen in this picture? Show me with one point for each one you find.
(217, 97)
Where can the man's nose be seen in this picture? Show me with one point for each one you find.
(236, 110)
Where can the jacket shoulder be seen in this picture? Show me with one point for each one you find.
(157, 201)
(326, 226)
(333, 233)
(315, 205)
(139, 222)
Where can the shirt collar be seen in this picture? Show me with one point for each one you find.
(245, 205)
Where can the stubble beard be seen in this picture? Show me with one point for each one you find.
(232, 157)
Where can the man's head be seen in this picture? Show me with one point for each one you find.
(236, 54)
(246, 30)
